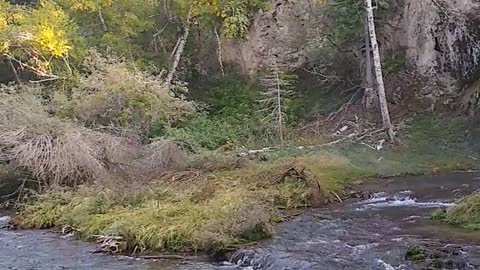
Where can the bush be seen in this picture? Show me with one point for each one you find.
(467, 213)
(232, 97)
(111, 94)
(211, 132)
(231, 117)
(58, 152)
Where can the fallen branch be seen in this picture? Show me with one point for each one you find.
(336, 195)
(164, 257)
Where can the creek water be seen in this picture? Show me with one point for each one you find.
(371, 234)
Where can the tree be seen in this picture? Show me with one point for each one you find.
(277, 93)
(116, 25)
(232, 14)
(369, 94)
(36, 39)
(378, 71)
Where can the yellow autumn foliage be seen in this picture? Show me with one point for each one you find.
(53, 41)
(3, 23)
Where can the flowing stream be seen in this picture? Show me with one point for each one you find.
(372, 234)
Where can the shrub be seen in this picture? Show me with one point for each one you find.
(113, 94)
(232, 97)
(211, 132)
(58, 152)
(467, 213)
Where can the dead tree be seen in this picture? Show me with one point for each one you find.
(177, 53)
(378, 71)
(369, 94)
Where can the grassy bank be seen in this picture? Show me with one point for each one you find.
(221, 202)
(466, 214)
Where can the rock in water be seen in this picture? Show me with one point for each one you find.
(4, 220)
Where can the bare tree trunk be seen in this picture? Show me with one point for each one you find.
(178, 53)
(14, 70)
(172, 54)
(279, 108)
(219, 52)
(102, 21)
(378, 71)
(369, 95)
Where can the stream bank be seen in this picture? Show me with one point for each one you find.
(367, 234)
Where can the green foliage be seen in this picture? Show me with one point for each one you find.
(436, 133)
(393, 63)
(230, 117)
(231, 97)
(415, 253)
(123, 20)
(466, 214)
(349, 16)
(204, 132)
(41, 39)
(236, 15)
(439, 214)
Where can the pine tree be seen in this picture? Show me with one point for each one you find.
(276, 95)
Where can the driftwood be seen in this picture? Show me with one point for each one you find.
(110, 244)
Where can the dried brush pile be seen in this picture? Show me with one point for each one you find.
(58, 152)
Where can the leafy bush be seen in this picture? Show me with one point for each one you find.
(112, 94)
(230, 117)
(211, 132)
(231, 97)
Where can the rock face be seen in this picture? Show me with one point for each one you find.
(282, 35)
(440, 38)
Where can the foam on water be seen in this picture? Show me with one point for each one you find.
(385, 265)
(382, 200)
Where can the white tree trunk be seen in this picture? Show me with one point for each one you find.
(219, 52)
(178, 54)
(378, 71)
(102, 21)
(369, 95)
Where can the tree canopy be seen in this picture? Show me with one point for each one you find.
(48, 36)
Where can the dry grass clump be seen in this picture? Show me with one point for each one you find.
(58, 152)
(154, 159)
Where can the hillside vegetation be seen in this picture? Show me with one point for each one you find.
(120, 122)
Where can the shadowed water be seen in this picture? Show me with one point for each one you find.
(371, 234)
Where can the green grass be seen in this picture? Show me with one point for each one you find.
(466, 214)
